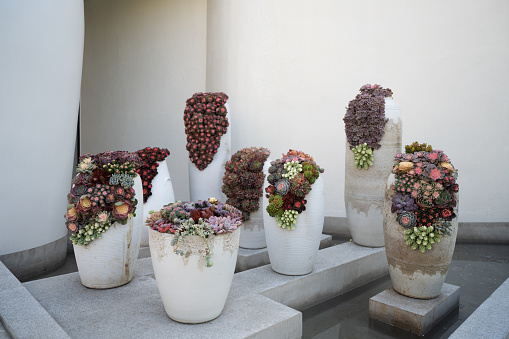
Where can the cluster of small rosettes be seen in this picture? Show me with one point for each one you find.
(365, 116)
(243, 179)
(147, 172)
(123, 179)
(288, 219)
(290, 180)
(416, 147)
(205, 122)
(422, 237)
(362, 156)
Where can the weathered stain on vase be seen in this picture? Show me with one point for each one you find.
(415, 274)
(194, 301)
(365, 189)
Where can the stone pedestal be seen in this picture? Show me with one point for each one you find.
(414, 315)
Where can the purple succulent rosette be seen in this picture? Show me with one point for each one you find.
(424, 202)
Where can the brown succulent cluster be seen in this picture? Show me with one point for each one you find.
(205, 122)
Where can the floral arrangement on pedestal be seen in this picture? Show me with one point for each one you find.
(150, 157)
(424, 199)
(290, 179)
(102, 193)
(203, 218)
(365, 122)
(243, 179)
(205, 122)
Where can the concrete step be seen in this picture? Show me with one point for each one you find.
(261, 303)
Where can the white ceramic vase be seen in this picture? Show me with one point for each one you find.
(162, 194)
(293, 252)
(207, 183)
(415, 274)
(192, 293)
(252, 234)
(365, 189)
(110, 261)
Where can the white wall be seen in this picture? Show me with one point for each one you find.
(290, 68)
(143, 59)
(41, 56)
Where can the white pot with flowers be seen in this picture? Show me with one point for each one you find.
(194, 246)
(101, 215)
(243, 185)
(294, 213)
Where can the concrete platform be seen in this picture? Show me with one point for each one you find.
(261, 303)
(248, 259)
(414, 315)
(490, 320)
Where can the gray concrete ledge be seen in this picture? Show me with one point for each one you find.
(21, 314)
(37, 261)
(490, 320)
(261, 303)
(476, 232)
(414, 315)
(248, 259)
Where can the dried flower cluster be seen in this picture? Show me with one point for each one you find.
(243, 179)
(203, 218)
(365, 118)
(290, 180)
(425, 184)
(205, 122)
(148, 170)
(101, 194)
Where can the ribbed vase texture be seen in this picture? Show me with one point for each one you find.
(293, 252)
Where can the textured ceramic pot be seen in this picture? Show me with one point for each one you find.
(162, 194)
(110, 261)
(365, 189)
(252, 233)
(415, 274)
(207, 183)
(293, 252)
(191, 292)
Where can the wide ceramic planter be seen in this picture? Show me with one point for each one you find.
(252, 233)
(365, 189)
(110, 261)
(162, 194)
(293, 252)
(415, 274)
(207, 183)
(191, 292)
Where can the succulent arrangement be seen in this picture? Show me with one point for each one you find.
(290, 179)
(243, 179)
(365, 122)
(205, 122)
(203, 218)
(148, 170)
(425, 186)
(102, 193)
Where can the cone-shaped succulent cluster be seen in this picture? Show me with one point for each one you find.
(205, 122)
(290, 179)
(102, 193)
(421, 237)
(243, 179)
(362, 156)
(365, 116)
(203, 218)
(148, 170)
(425, 185)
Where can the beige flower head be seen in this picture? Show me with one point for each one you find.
(447, 166)
(405, 166)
